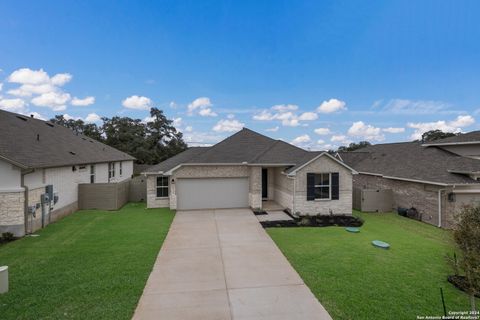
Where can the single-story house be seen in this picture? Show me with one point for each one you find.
(430, 177)
(41, 166)
(246, 170)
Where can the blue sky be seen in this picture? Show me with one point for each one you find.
(319, 73)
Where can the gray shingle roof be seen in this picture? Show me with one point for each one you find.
(33, 143)
(244, 146)
(409, 160)
(469, 137)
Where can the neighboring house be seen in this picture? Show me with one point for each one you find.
(428, 177)
(39, 158)
(247, 169)
(465, 144)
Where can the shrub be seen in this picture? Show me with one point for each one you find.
(7, 236)
(467, 236)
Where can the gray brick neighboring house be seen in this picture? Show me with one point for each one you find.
(248, 169)
(436, 178)
(39, 158)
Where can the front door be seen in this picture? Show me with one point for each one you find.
(264, 183)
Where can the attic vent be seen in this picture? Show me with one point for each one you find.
(84, 139)
(49, 124)
(72, 153)
(22, 118)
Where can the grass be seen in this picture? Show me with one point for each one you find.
(89, 265)
(354, 280)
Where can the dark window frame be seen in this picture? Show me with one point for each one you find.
(162, 186)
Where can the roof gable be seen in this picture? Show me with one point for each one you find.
(33, 143)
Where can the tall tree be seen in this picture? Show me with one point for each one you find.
(163, 138)
(79, 126)
(433, 135)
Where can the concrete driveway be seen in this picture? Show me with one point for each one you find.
(221, 264)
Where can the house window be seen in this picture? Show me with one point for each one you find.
(162, 187)
(121, 168)
(111, 170)
(323, 186)
(92, 173)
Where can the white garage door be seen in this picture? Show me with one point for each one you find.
(212, 193)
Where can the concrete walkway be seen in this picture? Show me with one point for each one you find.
(221, 264)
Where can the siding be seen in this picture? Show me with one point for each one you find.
(283, 189)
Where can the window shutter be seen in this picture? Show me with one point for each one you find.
(310, 186)
(335, 186)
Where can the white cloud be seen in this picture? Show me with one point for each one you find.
(228, 126)
(1, 86)
(364, 131)
(322, 131)
(137, 103)
(393, 130)
(320, 141)
(340, 138)
(274, 129)
(177, 122)
(445, 126)
(188, 129)
(230, 116)
(201, 105)
(61, 79)
(28, 76)
(331, 106)
(66, 116)
(207, 112)
(301, 139)
(36, 115)
(308, 116)
(172, 105)
(148, 119)
(83, 102)
(27, 90)
(286, 113)
(92, 117)
(55, 100)
(201, 139)
(13, 105)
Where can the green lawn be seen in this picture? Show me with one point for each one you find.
(354, 280)
(89, 265)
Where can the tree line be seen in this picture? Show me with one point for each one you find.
(149, 142)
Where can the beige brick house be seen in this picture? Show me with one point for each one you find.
(248, 170)
(436, 178)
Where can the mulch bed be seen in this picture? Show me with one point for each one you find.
(460, 282)
(316, 221)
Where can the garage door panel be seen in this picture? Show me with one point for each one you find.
(212, 193)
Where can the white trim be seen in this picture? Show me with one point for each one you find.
(170, 172)
(467, 191)
(14, 162)
(317, 157)
(11, 190)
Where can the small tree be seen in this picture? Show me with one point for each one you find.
(467, 236)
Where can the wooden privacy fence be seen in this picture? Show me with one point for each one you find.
(372, 200)
(103, 196)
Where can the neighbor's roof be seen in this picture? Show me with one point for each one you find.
(245, 146)
(33, 143)
(411, 161)
(463, 138)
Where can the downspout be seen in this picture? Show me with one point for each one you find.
(25, 198)
(293, 197)
(440, 207)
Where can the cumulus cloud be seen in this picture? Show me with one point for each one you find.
(300, 140)
(177, 122)
(188, 129)
(55, 100)
(393, 130)
(340, 138)
(274, 129)
(227, 125)
(92, 117)
(202, 106)
(286, 114)
(13, 105)
(364, 131)
(1, 86)
(83, 102)
(455, 125)
(137, 103)
(331, 106)
(322, 131)
(28, 76)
